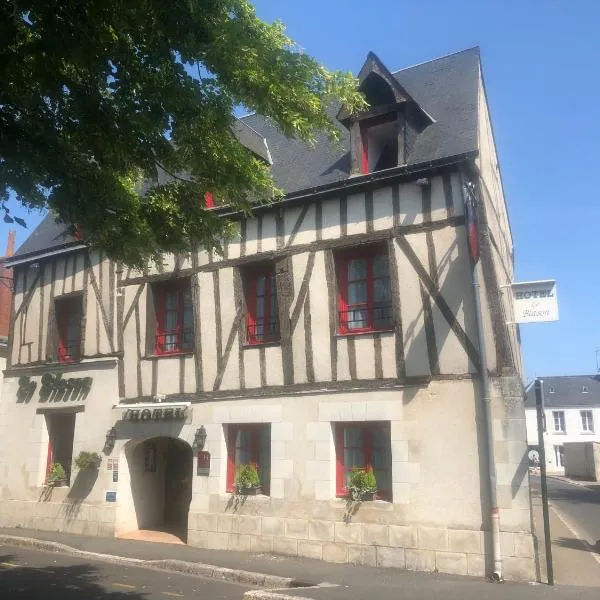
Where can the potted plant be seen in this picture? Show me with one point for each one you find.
(362, 484)
(57, 475)
(247, 480)
(88, 460)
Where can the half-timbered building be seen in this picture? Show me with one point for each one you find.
(340, 329)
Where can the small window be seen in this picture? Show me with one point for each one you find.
(551, 390)
(174, 317)
(584, 389)
(559, 455)
(69, 313)
(262, 320)
(249, 444)
(61, 430)
(364, 446)
(364, 295)
(559, 421)
(379, 139)
(587, 421)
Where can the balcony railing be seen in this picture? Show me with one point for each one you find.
(366, 318)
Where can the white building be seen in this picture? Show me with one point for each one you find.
(572, 414)
(338, 330)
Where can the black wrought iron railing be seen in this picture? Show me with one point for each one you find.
(263, 331)
(357, 318)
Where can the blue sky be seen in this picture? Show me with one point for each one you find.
(541, 62)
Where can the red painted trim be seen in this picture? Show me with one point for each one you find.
(160, 292)
(64, 309)
(252, 275)
(49, 458)
(231, 435)
(209, 200)
(256, 431)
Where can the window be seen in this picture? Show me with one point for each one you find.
(365, 296)
(587, 421)
(249, 444)
(559, 455)
(174, 317)
(367, 446)
(61, 429)
(379, 139)
(69, 313)
(552, 390)
(261, 299)
(559, 421)
(584, 389)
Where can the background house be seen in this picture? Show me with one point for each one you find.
(5, 302)
(572, 411)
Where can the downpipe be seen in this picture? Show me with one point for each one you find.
(496, 575)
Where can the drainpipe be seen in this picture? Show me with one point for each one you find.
(485, 384)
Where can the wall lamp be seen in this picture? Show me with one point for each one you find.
(200, 438)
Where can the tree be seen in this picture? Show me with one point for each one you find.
(96, 95)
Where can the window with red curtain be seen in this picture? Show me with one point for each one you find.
(364, 291)
(364, 445)
(249, 444)
(61, 431)
(174, 317)
(209, 200)
(261, 300)
(69, 313)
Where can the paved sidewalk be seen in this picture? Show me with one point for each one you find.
(352, 582)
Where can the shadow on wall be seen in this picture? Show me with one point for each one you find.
(72, 582)
(80, 490)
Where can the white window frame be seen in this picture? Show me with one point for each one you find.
(560, 415)
(587, 421)
(559, 456)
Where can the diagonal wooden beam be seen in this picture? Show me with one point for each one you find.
(225, 357)
(443, 306)
(310, 263)
(136, 299)
(94, 284)
(297, 225)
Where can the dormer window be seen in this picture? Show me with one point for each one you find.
(584, 389)
(552, 390)
(379, 139)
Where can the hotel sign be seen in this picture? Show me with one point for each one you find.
(535, 301)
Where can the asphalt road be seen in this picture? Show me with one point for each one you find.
(578, 503)
(34, 574)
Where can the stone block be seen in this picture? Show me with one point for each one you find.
(198, 539)
(321, 530)
(518, 569)
(414, 450)
(507, 543)
(348, 533)
(282, 468)
(420, 560)
(285, 546)
(323, 490)
(277, 488)
(432, 538)
(401, 493)
(391, 557)
(318, 432)
(362, 555)
(451, 562)
(316, 469)
(376, 535)
(476, 565)
(204, 521)
(403, 536)
(323, 450)
(400, 451)
(249, 524)
(278, 450)
(524, 545)
(240, 542)
(461, 540)
(261, 543)
(273, 526)
(282, 432)
(406, 472)
(335, 553)
(296, 528)
(218, 541)
(310, 549)
(228, 523)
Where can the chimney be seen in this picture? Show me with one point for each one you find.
(6, 286)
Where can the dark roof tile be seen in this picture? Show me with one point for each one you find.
(565, 391)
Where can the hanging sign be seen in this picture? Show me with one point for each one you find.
(535, 301)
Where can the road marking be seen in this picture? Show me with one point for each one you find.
(589, 547)
(172, 594)
(8, 565)
(124, 585)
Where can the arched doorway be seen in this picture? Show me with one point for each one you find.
(160, 475)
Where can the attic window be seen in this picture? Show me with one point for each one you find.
(379, 140)
(551, 390)
(377, 90)
(584, 389)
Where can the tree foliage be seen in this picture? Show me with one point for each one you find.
(96, 95)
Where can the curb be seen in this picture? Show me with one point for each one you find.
(265, 595)
(199, 569)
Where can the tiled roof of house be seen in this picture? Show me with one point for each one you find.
(446, 88)
(566, 391)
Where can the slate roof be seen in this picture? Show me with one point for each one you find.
(568, 391)
(446, 88)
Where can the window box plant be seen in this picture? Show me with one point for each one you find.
(362, 484)
(57, 475)
(88, 460)
(247, 480)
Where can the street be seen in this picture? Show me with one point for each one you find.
(33, 574)
(578, 504)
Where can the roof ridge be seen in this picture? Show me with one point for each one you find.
(476, 47)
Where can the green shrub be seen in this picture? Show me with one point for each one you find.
(361, 482)
(88, 460)
(57, 472)
(246, 478)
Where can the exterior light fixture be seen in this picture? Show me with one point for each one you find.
(111, 438)
(200, 438)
